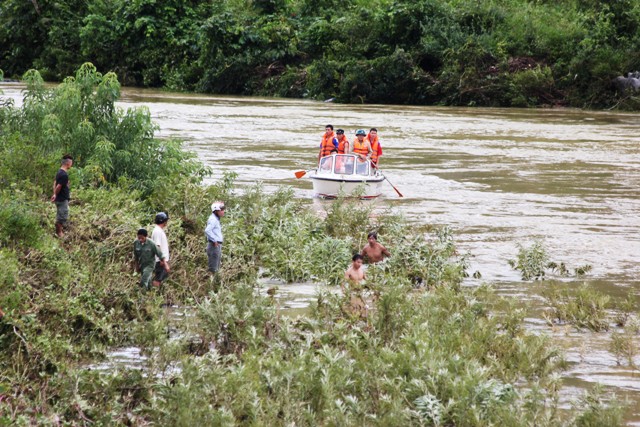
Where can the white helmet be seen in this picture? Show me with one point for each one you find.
(217, 206)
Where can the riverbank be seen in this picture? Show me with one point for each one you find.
(458, 356)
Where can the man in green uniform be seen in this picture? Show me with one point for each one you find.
(145, 251)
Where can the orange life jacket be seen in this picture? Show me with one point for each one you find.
(326, 146)
(375, 146)
(343, 143)
(360, 147)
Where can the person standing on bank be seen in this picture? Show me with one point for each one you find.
(61, 194)
(145, 251)
(160, 239)
(213, 232)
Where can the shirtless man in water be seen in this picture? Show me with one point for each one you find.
(355, 273)
(373, 251)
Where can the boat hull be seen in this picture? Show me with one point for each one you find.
(332, 187)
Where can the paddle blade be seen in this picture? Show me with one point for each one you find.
(300, 174)
(393, 186)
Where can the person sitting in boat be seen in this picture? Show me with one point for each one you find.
(343, 142)
(372, 137)
(329, 142)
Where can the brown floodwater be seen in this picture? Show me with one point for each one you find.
(497, 177)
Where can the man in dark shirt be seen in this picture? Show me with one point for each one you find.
(61, 194)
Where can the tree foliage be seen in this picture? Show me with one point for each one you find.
(79, 117)
(459, 52)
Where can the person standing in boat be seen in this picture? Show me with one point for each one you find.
(361, 145)
(343, 142)
(372, 137)
(373, 251)
(213, 232)
(329, 142)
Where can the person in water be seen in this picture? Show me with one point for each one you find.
(373, 251)
(355, 272)
(354, 276)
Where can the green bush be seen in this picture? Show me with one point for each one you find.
(584, 308)
(19, 223)
(80, 117)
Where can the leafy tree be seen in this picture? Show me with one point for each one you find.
(109, 144)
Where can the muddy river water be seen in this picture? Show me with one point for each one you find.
(497, 177)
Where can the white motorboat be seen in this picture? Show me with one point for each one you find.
(346, 174)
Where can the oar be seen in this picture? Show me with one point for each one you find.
(394, 187)
(300, 174)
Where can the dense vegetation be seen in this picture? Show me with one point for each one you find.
(438, 355)
(450, 52)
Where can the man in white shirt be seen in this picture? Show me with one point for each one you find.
(160, 239)
(213, 232)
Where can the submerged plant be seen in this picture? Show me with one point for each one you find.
(623, 346)
(598, 411)
(584, 308)
(533, 263)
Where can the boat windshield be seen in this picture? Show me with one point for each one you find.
(362, 167)
(344, 164)
(326, 165)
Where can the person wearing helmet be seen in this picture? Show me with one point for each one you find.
(160, 239)
(361, 145)
(213, 232)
